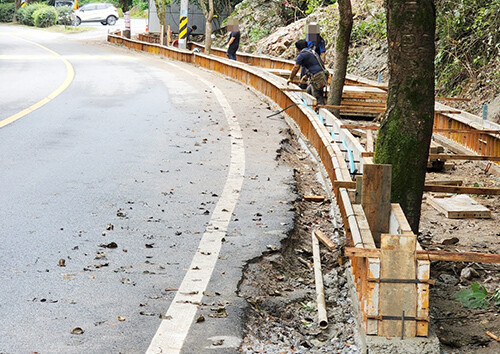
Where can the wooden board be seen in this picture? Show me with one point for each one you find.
(376, 198)
(398, 260)
(459, 207)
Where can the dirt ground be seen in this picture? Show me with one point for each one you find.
(280, 285)
(459, 329)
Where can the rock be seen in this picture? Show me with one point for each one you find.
(330, 279)
(448, 279)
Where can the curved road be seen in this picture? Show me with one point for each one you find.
(127, 181)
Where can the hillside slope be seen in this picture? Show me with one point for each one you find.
(264, 31)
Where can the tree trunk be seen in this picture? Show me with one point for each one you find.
(208, 11)
(160, 12)
(406, 129)
(341, 54)
(17, 5)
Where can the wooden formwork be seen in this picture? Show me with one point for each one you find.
(469, 131)
(398, 244)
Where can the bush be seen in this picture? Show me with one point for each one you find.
(64, 15)
(25, 14)
(45, 16)
(7, 12)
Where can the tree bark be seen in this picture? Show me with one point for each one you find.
(406, 129)
(341, 54)
(17, 5)
(208, 11)
(161, 8)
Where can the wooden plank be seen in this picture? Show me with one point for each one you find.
(344, 184)
(376, 198)
(364, 228)
(468, 131)
(459, 207)
(369, 141)
(398, 261)
(463, 157)
(450, 182)
(325, 240)
(353, 108)
(356, 126)
(430, 255)
(366, 104)
(314, 198)
(435, 148)
(461, 190)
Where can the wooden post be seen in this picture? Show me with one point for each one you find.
(169, 35)
(376, 198)
(359, 189)
(162, 34)
(398, 260)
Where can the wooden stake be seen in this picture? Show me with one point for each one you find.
(314, 198)
(325, 240)
(493, 336)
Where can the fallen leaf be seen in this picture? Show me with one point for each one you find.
(109, 245)
(200, 319)
(120, 318)
(165, 317)
(144, 313)
(217, 343)
(62, 263)
(77, 330)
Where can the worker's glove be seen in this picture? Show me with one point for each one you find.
(288, 81)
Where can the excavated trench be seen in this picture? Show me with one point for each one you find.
(279, 285)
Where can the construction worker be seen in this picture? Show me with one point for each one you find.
(315, 69)
(190, 30)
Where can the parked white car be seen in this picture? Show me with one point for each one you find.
(104, 13)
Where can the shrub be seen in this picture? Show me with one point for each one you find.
(7, 12)
(45, 16)
(25, 14)
(64, 15)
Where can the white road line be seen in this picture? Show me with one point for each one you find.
(172, 332)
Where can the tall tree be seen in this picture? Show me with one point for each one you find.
(341, 53)
(17, 5)
(161, 8)
(208, 10)
(406, 129)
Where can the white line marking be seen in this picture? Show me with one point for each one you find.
(171, 334)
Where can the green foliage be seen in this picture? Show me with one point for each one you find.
(45, 16)
(313, 5)
(140, 5)
(370, 30)
(477, 297)
(64, 15)
(7, 12)
(257, 33)
(468, 40)
(25, 14)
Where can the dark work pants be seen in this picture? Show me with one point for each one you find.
(317, 94)
(231, 54)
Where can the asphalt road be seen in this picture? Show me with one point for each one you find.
(118, 170)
